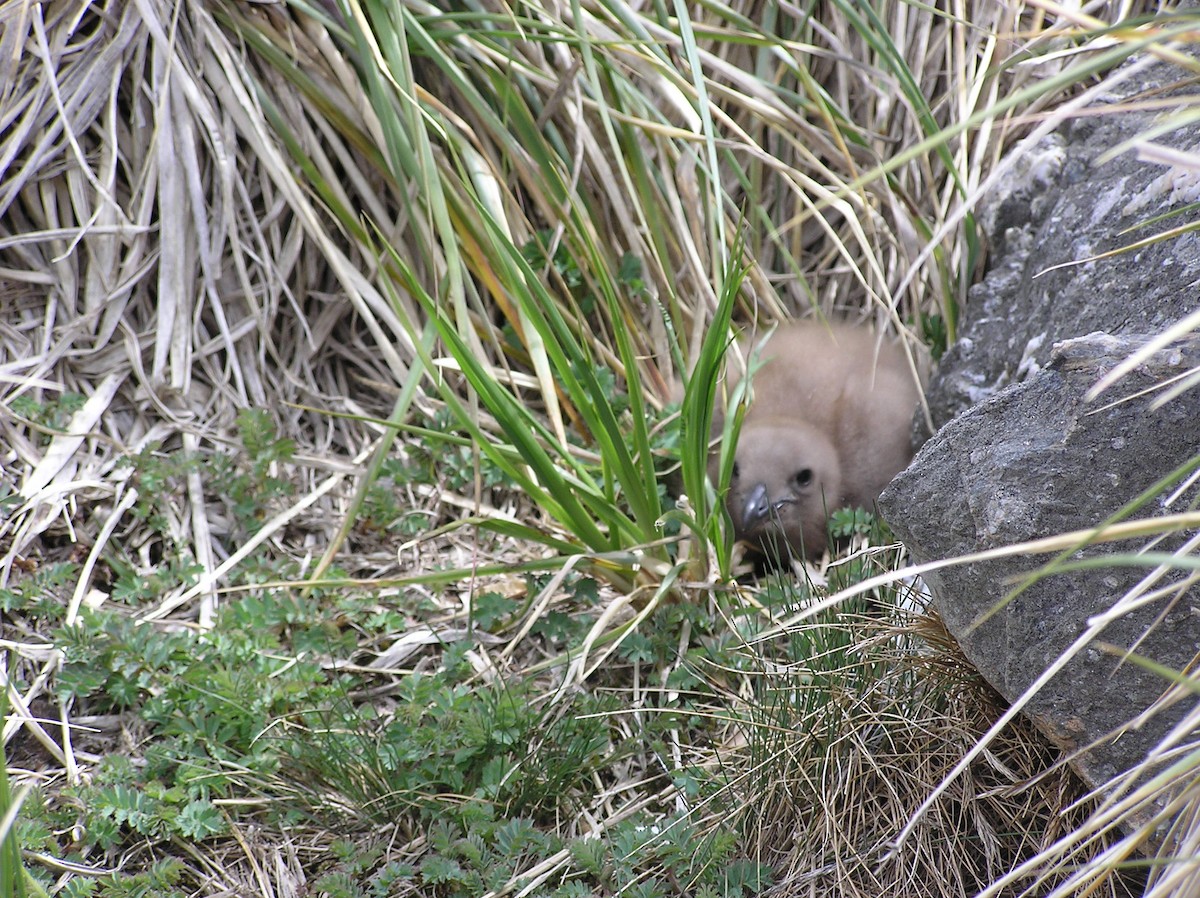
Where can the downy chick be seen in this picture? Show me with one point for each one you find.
(829, 426)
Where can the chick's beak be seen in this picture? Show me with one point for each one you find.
(757, 507)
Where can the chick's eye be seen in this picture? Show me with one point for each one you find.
(736, 472)
(803, 477)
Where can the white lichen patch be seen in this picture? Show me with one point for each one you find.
(1179, 184)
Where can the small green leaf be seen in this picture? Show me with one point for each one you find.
(199, 819)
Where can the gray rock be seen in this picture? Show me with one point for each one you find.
(1025, 455)
(1062, 206)
(1037, 460)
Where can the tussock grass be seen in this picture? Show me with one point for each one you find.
(843, 773)
(431, 612)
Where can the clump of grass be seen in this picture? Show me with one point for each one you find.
(846, 745)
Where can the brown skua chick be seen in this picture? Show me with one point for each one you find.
(829, 426)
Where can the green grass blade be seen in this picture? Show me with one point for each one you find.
(12, 870)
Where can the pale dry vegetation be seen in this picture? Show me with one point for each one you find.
(337, 345)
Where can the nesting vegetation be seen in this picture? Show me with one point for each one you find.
(340, 353)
